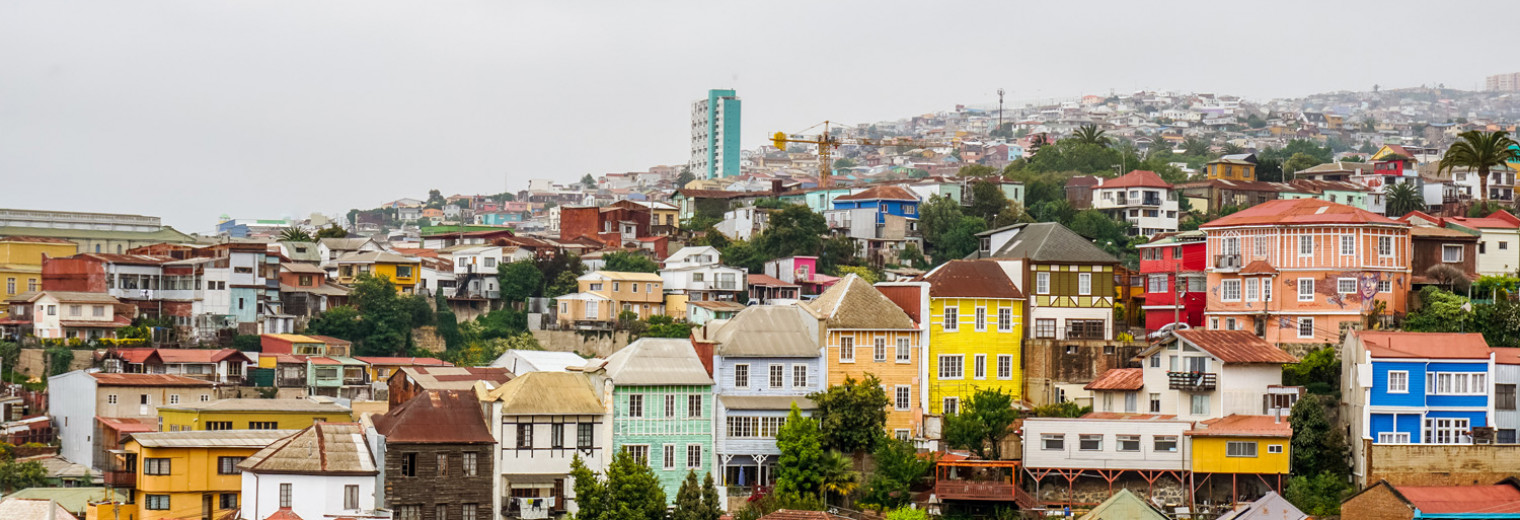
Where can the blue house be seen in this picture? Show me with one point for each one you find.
(886, 200)
(1415, 388)
(765, 360)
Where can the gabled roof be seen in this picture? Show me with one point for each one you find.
(104, 379)
(767, 281)
(1258, 267)
(436, 417)
(211, 438)
(1500, 498)
(1048, 242)
(852, 303)
(411, 361)
(321, 449)
(1235, 346)
(1124, 505)
(1235, 425)
(1270, 506)
(192, 355)
(453, 378)
(971, 279)
(1136, 179)
(1299, 212)
(546, 393)
(655, 361)
(769, 331)
(65, 297)
(1118, 379)
(1424, 345)
(33, 509)
(880, 193)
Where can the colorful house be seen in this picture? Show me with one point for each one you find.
(187, 474)
(441, 436)
(1141, 198)
(1173, 269)
(1301, 271)
(661, 408)
(543, 421)
(976, 330)
(251, 414)
(606, 294)
(403, 271)
(1249, 450)
(21, 263)
(1238, 167)
(866, 334)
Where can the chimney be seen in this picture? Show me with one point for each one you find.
(776, 187)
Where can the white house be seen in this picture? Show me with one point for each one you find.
(521, 362)
(697, 273)
(79, 402)
(1141, 198)
(743, 223)
(542, 421)
(63, 314)
(323, 471)
(1106, 441)
(1205, 374)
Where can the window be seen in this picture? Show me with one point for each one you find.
(670, 456)
(1504, 397)
(443, 464)
(409, 512)
(1045, 328)
(951, 405)
(1084, 283)
(1131, 402)
(670, 406)
(694, 406)
(76, 310)
(156, 466)
(741, 376)
(1005, 366)
(1042, 283)
(583, 436)
(1266, 290)
(469, 512)
(903, 350)
(285, 494)
(111, 399)
(1305, 245)
(1385, 286)
(350, 497)
(403, 271)
(263, 425)
(408, 464)
(635, 405)
(1090, 442)
(596, 286)
(1155, 283)
(1446, 431)
(618, 286)
(952, 321)
(1385, 246)
(1345, 285)
(1230, 290)
(799, 376)
(1451, 254)
(1348, 245)
(634, 287)
(1398, 381)
(879, 350)
(952, 366)
(161, 502)
(470, 461)
(1306, 327)
(525, 436)
(227, 501)
(1085, 329)
(1231, 246)
(981, 319)
(1388, 438)
(1128, 442)
(1200, 405)
(228, 465)
(205, 398)
(1240, 449)
(1229, 324)
(556, 440)
(1155, 403)
(640, 452)
(694, 456)
(1251, 290)
(847, 349)
(1167, 443)
(1506, 436)
(173, 398)
(1005, 319)
(1306, 289)
(903, 398)
(1274, 448)
(1052, 441)
(1456, 383)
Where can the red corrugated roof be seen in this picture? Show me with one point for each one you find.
(1259, 267)
(1482, 222)
(1425, 345)
(1506, 355)
(1118, 379)
(104, 379)
(404, 361)
(1244, 426)
(1498, 498)
(186, 355)
(881, 193)
(123, 425)
(1235, 346)
(767, 281)
(1136, 179)
(436, 417)
(971, 279)
(284, 513)
(1298, 212)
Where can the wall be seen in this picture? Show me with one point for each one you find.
(1210, 455)
(599, 344)
(1379, 503)
(33, 361)
(312, 496)
(74, 416)
(1035, 456)
(194, 420)
(423, 489)
(192, 471)
(891, 372)
(967, 341)
(660, 427)
(1427, 465)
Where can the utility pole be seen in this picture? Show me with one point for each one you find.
(1000, 110)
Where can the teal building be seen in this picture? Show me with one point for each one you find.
(662, 408)
(715, 135)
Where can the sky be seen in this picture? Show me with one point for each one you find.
(192, 109)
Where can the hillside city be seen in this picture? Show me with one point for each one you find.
(1153, 305)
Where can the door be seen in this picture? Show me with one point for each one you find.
(206, 506)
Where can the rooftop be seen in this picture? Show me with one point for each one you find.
(1136, 179)
(104, 379)
(768, 331)
(1234, 425)
(1424, 345)
(547, 393)
(436, 417)
(852, 303)
(321, 449)
(880, 193)
(1235, 346)
(454, 378)
(1047, 242)
(1118, 379)
(1497, 498)
(1300, 212)
(971, 279)
(655, 361)
(262, 405)
(211, 438)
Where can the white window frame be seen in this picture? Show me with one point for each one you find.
(1341, 285)
(1229, 290)
(1306, 283)
(1238, 449)
(694, 453)
(904, 352)
(902, 398)
(979, 367)
(1158, 440)
(1005, 367)
(846, 348)
(1251, 289)
(879, 349)
(741, 375)
(1059, 439)
(1402, 379)
(1084, 284)
(1306, 245)
(1266, 289)
(1042, 282)
(1120, 440)
(948, 361)
(1005, 319)
(777, 373)
(1393, 438)
(669, 454)
(1088, 437)
(981, 318)
(1385, 247)
(1348, 245)
(1274, 449)
(1305, 320)
(951, 318)
(799, 376)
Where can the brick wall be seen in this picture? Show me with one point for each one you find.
(1377, 503)
(424, 489)
(1047, 362)
(1427, 465)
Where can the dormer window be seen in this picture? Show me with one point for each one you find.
(986, 245)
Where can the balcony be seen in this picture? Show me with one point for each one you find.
(1227, 263)
(121, 479)
(1192, 381)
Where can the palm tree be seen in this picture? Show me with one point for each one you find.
(1090, 134)
(1402, 199)
(1195, 146)
(292, 234)
(839, 476)
(1480, 151)
(1231, 149)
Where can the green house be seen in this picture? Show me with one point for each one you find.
(662, 408)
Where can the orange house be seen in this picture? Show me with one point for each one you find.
(1300, 271)
(867, 334)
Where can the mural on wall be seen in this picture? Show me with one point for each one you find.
(1366, 288)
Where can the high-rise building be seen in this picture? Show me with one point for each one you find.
(1503, 82)
(715, 135)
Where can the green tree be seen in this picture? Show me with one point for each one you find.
(799, 469)
(1319, 372)
(434, 199)
(381, 320)
(1195, 147)
(626, 262)
(17, 475)
(843, 162)
(1480, 151)
(1317, 446)
(987, 200)
(712, 502)
(332, 231)
(1231, 149)
(1090, 134)
(976, 170)
(660, 326)
(795, 230)
(865, 273)
(1297, 163)
(588, 181)
(628, 491)
(1403, 198)
(898, 469)
(740, 253)
(838, 252)
(911, 256)
(519, 280)
(851, 414)
(1319, 495)
(839, 476)
(448, 324)
(948, 233)
(293, 234)
(339, 322)
(981, 425)
(59, 357)
(1067, 409)
(684, 178)
(688, 504)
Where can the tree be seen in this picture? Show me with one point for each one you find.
(331, 231)
(1319, 372)
(741, 253)
(982, 423)
(1317, 446)
(1231, 149)
(799, 469)
(1298, 162)
(1481, 151)
(660, 326)
(1069, 409)
(1403, 198)
(976, 170)
(566, 283)
(852, 414)
(948, 233)
(793, 231)
(1195, 147)
(588, 181)
(898, 469)
(380, 322)
(688, 504)
(839, 477)
(685, 177)
(16, 475)
(843, 162)
(838, 252)
(1090, 134)
(628, 491)
(435, 199)
(911, 256)
(712, 503)
(519, 280)
(1320, 495)
(339, 322)
(626, 262)
(987, 200)
(293, 234)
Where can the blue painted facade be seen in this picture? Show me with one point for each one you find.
(1423, 408)
(498, 219)
(750, 458)
(901, 208)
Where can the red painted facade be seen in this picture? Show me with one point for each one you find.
(80, 273)
(602, 223)
(1165, 258)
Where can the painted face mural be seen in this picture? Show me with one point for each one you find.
(1367, 285)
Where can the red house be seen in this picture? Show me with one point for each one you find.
(1165, 260)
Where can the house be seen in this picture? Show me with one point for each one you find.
(604, 295)
(1431, 245)
(1134, 450)
(867, 334)
(21, 263)
(700, 312)
(542, 421)
(1340, 192)
(661, 408)
(439, 436)
(1498, 241)
(381, 368)
(1204, 374)
(327, 469)
(1415, 388)
(614, 225)
(1141, 198)
(801, 271)
(224, 366)
(34, 509)
(744, 223)
(1173, 268)
(67, 315)
(409, 382)
(521, 362)
(1251, 451)
(1237, 167)
(302, 345)
(882, 219)
(976, 332)
(696, 274)
(1270, 506)
(305, 291)
(94, 411)
(1384, 501)
(183, 474)
(475, 271)
(764, 360)
(251, 414)
(768, 290)
(1302, 271)
(1124, 506)
(402, 271)
(1215, 195)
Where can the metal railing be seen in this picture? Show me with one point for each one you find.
(1192, 381)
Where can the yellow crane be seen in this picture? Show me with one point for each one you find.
(826, 144)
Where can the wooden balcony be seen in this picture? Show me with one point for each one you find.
(121, 479)
(1192, 381)
(973, 490)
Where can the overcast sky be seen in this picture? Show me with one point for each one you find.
(266, 109)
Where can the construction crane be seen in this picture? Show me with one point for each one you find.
(826, 144)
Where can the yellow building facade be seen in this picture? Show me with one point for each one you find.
(1256, 444)
(251, 414)
(21, 263)
(976, 330)
(184, 474)
(867, 334)
(1230, 170)
(403, 271)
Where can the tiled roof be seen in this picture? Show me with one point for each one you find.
(880, 193)
(1424, 345)
(1297, 212)
(1494, 499)
(1442, 233)
(1235, 425)
(1235, 346)
(767, 281)
(436, 417)
(1259, 267)
(284, 513)
(1506, 355)
(1136, 179)
(321, 449)
(1118, 379)
(104, 379)
(971, 279)
(852, 303)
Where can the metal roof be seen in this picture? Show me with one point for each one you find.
(105, 379)
(971, 279)
(657, 361)
(211, 438)
(262, 405)
(547, 393)
(436, 417)
(1235, 425)
(1235, 346)
(1118, 379)
(852, 303)
(1048, 242)
(769, 331)
(1299, 212)
(766, 402)
(320, 449)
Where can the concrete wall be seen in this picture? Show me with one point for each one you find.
(1432, 465)
(427, 338)
(599, 344)
(33, 361)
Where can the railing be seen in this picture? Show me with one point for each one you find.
(1227, 262)
(1192, 381)
(121, 479)
(973, 490)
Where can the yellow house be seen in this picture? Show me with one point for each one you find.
(189, 474)
(976, 326)
(1251, 444)
(251, 414)
(381, 368)
(21, 263)
(404, 271)
(867, 334)
(1230, 169)
(606, 294)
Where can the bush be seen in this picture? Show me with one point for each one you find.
(247, 343)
